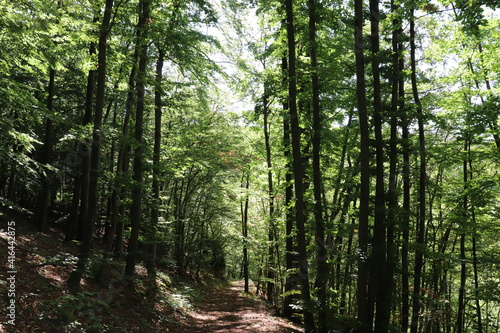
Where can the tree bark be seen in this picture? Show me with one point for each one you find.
(122, 167)
(384, 309)
(244, 215)
(298, 170)
(460, 323)
(405, 135)
(151, 261)
(365, 316)
(378, 276)
(419, 253)
(44, 195)
(291, 257)
(322, 270)
(76, 275)
(270, 192)
(80, 192)
(479, 317)
(137, 177)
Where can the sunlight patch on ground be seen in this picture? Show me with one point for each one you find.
(53, 273)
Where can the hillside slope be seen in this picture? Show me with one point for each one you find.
(40, 263)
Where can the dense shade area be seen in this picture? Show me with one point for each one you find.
(44, 262)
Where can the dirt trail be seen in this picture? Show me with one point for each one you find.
(227, 310)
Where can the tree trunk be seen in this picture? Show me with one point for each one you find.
(270, 190)
(44, 195)
(378, 278)
(156, 163)
(298, 170)
(244, 215)
(384, 309)
(460, 323)
(93, 194)
(136, 206)
(322, 270)
(365, 316)
(83, 162)
(11, 187)
(405, 275)
(291, 257)
(419, 252)
(122, 168)
(476, 275)
(474, 254)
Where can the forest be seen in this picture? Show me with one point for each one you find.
(339, 157)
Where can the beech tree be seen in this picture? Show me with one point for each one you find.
(91, 198)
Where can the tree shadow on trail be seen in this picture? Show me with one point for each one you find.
(229, 310)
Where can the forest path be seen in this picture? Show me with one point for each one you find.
(229, 310)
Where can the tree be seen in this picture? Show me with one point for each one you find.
(298, 171)
(364, 315)
(321, 257)
(156, 156)
(138, 169)
(76, 275)
(419, 253)
(244, 226)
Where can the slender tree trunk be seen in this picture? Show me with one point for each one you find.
(365, 316)
(384, 309)
(439, 274)
(346, 283)
(292, 279)
(420, 250)
(11, 178)
(3, 177)
(298, 170)
(179, 227)
(474, 251)
(340, 205)
(479, 317)
(115, 242)
(405, 276)
(44, 198)
(322, 271)
(291, 257)
(136, 206)
(76, 275)
(378, 277)
(460, 323)
(122, 167)
(44, 195)
(156, 162)
(72, 225)
(83, 161)
(11, 187)
(341, 175)
(270, 190)
(244, 215)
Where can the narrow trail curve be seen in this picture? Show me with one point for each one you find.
(227, 310)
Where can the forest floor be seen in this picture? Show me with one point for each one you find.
(229, 310)
(43, 303)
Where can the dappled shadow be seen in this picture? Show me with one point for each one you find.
(229, 310)
(39, 279)
(44, 304)
(43, 262)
